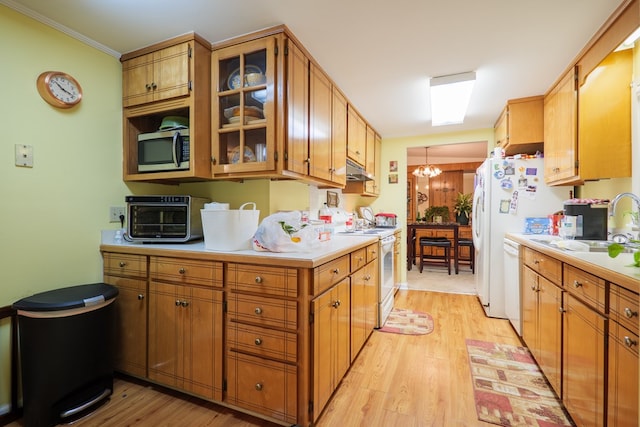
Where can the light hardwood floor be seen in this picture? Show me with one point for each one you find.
(397, 380)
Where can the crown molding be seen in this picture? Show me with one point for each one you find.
(57, 26)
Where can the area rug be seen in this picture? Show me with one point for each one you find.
(509, 388)
(408, 322)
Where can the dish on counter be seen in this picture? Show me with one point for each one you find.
(234, 156)
(234, 81)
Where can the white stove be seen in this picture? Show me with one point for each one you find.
(386, 268)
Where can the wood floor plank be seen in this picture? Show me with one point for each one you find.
(397, 380)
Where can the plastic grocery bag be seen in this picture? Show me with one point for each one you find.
(284, 232)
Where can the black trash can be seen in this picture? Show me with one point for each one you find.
(66, 339)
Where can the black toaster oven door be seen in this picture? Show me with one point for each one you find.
(148, 222)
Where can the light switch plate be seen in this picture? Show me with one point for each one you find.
(24, 155)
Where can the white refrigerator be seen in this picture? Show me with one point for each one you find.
(506, 192)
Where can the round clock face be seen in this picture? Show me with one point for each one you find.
(59, 89)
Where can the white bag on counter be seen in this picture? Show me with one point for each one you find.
(284, 232)
(229, 230)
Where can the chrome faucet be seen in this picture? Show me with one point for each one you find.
(614, 202)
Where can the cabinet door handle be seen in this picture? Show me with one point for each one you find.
(122, 264)
(258, 386)
(629, 342)
(533, 288)
(258, 310)
(154, 86)
(258, 279)
(367, 277)
(258, 341)
(336, 304)
(629, 313)
(561, 310)
(140, 297)
(184, 303)
(182, 270)
(576, 284)
(336, 271)
(148, 86)
(178, 302)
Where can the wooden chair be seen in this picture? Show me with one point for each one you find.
(467, 243)
(435, 258)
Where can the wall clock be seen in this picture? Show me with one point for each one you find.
(59, 89)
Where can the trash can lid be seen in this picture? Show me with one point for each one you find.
(67, 298)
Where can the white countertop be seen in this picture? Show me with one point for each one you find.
(325, 251)
(618, 269)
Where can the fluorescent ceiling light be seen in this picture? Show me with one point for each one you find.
(629, 41)
(450, 98)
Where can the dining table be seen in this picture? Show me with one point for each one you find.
(411, 238)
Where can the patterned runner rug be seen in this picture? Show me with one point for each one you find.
(408, 322)
(509, 388)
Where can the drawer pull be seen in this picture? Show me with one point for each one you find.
(259, 387)
(258, 310)
(122, 264)
(182, 270)
(140, 297)
(336, 304)
(336, 271)
(258, 341)
(258, 279)
(629, 313)
(576, 284)
(178, 302)
(367, 277)
(374, 252)
(629, 342)
(184, 303)
(536, 261)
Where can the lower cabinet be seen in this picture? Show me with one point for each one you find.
(331, 322)
(584, 363)
(261, 355)
(185, 326)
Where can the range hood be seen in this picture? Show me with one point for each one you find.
(355, 172)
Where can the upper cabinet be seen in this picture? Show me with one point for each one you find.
(171, 78)
(356, 136)
(587, 128)
(520, 128)
(290, 120)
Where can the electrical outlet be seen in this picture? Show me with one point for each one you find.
(115, 212)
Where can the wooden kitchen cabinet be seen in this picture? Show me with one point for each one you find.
(622, 395)
(171, 78)
(356, 136)
(364, 296)
(129, 274)
(185, 325)
(587, 125)
(262, 343)
(374, 151)
(584, 344)
(287, 125)
(331, 330)
(542, 313)
(520, 126)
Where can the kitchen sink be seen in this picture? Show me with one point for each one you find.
(585, 245)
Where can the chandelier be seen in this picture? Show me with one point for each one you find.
(426, 170)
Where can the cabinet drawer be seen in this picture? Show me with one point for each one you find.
(263, 386)
(275, 281)
(330, 273)
(372, 252)
(358, 259)
(586, 286)
(186, 271)
(623, 307)
(544, 265)
(263, 342)
(621, 336)
(262, 311)
(125, 265)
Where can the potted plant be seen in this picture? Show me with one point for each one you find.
(462, 208)
(437, 214)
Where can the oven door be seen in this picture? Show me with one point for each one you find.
(167, 223)
(163, 151)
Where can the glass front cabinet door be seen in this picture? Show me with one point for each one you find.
(243, 122)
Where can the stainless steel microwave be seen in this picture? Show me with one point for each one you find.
(164, 219)
(163, 151)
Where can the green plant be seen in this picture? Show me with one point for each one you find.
(463, 204)
(432, 211)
